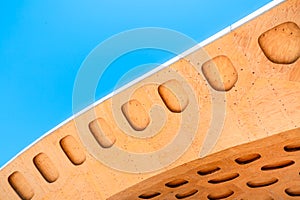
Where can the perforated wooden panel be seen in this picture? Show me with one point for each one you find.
(264, 169)
(240, 88)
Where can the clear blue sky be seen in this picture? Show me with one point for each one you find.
(43, 43)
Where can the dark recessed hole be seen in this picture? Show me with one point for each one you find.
(149, 195)
(224, 178)
(186, 194)
(220, 195)
(247, 158)
(20, 185)
(278, 165)
(176, 183)
(262, 183)
(293, 191)
(208, 170)
(292, 147)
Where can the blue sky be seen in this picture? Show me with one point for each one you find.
(43, 44)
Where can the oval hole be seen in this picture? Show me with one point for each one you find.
(176, 183)
(247, 158)
(21, 186)
(149, 195)
(281, 44)
(220, 73)
(220, 195)
(224, 178)
(174, 96)
(278, 165)
(102, 132)
(292, 147)
(136, 115)
(72, 149)
(208, 170)
(262, 182)
(186, 194)
(293, 191)
(46, 167)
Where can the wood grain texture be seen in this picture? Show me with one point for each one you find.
(102, 132)
(173, 96)
(72, 150)
(281, 44)
(21, 185)
(136, 115)
(264, 101)
(220, 73)
(232, 180)
(46, 167)
(295, 74)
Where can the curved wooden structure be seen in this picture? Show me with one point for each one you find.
(265, 169)
(242, 88)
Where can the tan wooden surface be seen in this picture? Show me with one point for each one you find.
(264, 169)
(261, 99)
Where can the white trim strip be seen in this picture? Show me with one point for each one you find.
(255, 14)
(171, 61)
